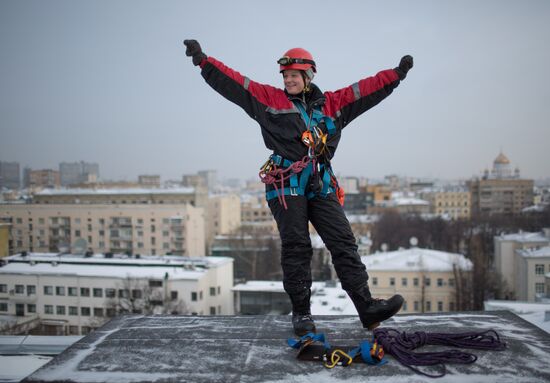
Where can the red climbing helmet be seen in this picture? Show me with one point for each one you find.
(297, 58)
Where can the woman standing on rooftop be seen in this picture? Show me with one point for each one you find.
(302, 126)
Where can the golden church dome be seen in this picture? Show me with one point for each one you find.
(502, 159)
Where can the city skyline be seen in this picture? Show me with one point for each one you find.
(109, 83)
(220, 176)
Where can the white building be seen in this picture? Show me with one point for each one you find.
(506, 246)
(71, 294)
(427, 279)
(531, 267)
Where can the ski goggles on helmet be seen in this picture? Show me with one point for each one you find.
(285, 60)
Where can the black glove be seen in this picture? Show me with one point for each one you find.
(194, 50)
(405, 65)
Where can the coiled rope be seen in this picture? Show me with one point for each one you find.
(271, 175)
(401, 345)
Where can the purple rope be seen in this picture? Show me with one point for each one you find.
(401, 346)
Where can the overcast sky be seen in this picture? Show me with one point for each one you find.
(109, 82)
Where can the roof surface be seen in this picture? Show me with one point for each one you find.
(254, 349)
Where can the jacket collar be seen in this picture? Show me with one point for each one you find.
(312, 98)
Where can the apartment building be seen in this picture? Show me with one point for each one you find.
(429, 280)
(455, 204)
(77, 172)
(149, 180)
(506, 262)
(170, 228)
(379, 192)
(502, 191)
(45, 178)
(71, 295)
(254, 208)
(532, 265)
(10, 175)
(4, 239)
(223, 216)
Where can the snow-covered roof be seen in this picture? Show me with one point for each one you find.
(532, 312)
(534, 209)
(362, 218)
(416, 259)
(103, 271)
(136, 191)
(535, 253)
(270, 286)
(525, 237)
(410, 201)
(331, 301)
(143, 260)
(120, 266)
(260, 286)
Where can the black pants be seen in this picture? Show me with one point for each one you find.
(328, 218)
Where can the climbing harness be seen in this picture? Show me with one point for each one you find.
(276, 170)
(315, 347)
(401, 346)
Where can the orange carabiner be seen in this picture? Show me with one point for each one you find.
(307, 139)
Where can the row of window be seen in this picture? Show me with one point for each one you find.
(179, 241)
(101, 221)
(416, 282)
(84, 311)
(98, 292)
(417, 306)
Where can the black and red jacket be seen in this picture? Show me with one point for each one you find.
(280, 120)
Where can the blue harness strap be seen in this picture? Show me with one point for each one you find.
(298, 182)
(364, 350)
(316, 117)
(371, 353)
(309, 337)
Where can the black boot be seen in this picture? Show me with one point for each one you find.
(301, 314)
(373, 311)
(303, 324)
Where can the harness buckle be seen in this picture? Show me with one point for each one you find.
(293, 191)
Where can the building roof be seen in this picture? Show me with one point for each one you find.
(362, 218)
(416, 259)
(524, 236)
(120, 266)
(137, 191)
(269, 286)
(254, 349)
(534, 253)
